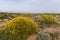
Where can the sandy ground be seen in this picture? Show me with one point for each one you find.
(33, 37)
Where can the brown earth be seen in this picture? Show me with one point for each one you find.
(32, 37)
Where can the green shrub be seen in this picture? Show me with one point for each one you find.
(55, 35)
(44, 36)
(19, 29)
(48, 20)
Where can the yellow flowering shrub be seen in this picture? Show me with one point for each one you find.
(48, 20)
(19, 28)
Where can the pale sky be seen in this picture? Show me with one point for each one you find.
(30, 6)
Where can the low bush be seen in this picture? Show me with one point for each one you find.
(47, 20)
(19, 29)
(44, 36)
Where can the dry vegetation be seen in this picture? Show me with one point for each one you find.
(53, 29)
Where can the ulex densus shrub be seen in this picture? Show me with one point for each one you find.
(19, 28)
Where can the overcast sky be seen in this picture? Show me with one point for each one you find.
(30, 6)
